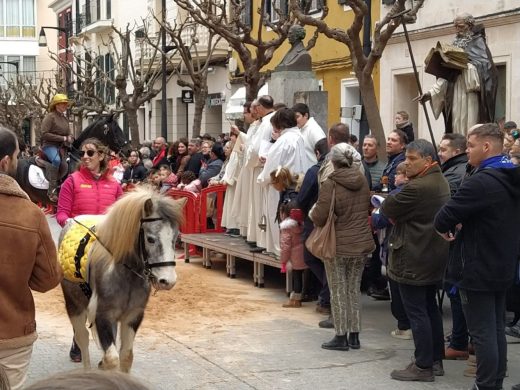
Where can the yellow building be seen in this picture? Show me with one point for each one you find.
(330, 59)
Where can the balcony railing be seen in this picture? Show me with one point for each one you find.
(89, 20)
(193, 36)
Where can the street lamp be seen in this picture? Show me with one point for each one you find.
(15, 64)
(164, 80)
(42, 42)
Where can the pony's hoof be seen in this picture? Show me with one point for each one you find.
(102, 365)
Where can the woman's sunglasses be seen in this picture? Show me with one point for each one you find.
(89, 153)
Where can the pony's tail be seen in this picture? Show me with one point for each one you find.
(91, 317)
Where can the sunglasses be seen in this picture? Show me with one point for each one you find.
(89, 153)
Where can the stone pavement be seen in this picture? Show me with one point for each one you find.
(267, 352)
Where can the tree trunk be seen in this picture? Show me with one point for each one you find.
(133, 124)
(253, 85)
(200, 104)
(368, 94)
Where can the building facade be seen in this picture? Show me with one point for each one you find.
(435, 23)
(330, 59)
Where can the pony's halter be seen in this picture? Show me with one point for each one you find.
(144, 255)
(147, 273)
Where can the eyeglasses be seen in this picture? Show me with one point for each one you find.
(90, 153)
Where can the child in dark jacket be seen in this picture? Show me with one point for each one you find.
(291, 249)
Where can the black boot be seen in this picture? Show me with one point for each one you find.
(75, 352)
(53, 174)
(353, 340)
(338, 343)
(327, 324)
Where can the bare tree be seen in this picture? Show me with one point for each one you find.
(196, 58)
(254, 50)
(24, 98)
(363, 64)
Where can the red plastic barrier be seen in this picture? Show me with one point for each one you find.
(191, 210)
(219, 192)
(191, 213)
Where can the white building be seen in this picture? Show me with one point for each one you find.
(92, 22)
(19, 27)
(434, 23)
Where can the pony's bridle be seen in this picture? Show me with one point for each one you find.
(144, 254)
(147, 274)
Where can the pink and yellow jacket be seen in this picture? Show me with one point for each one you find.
(82, 194)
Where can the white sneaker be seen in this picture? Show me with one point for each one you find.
(402, 334)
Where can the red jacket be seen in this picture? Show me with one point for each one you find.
(291, 243)
(82, 194)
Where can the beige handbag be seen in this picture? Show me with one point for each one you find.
(322, 241)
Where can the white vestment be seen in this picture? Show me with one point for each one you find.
(288, 151)
(230, 179)
(312, 133)
(258, 192)
(465, 99)
(240, 210)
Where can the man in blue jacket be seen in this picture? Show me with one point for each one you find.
(486, 209)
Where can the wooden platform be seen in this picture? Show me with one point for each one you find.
(233, 248)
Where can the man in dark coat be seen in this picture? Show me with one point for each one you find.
(417, 258)
(395, 146)
(196, 157)
(486, 208)
(454, 162)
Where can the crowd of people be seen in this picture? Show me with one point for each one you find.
(404, 228)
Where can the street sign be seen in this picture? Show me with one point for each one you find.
(215, 99)
(187, 96)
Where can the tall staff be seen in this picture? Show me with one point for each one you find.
(416, 73)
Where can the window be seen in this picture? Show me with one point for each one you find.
(17, 19)
(246, 16)
(26, 68)
(103, 87)
(276, 9)
(316, 6)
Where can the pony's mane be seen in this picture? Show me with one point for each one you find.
(119, 231)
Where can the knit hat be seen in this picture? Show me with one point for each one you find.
(297, 215)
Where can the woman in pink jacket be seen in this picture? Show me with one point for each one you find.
(91, 190)
(291, 249)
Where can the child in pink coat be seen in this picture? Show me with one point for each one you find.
(291, 249)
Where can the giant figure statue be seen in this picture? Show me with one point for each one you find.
(470, 97)
(297, 58)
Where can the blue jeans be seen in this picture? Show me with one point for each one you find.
(53, 155)
(459, 330)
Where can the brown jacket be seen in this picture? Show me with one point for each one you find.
(353, 235)
(28, 261)
(54, 127)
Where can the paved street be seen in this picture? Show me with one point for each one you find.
(211, 332)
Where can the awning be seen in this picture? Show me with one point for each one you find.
(235, 105)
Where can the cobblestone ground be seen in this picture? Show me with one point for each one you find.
(211, 332)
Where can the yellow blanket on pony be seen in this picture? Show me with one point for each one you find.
(75, 245)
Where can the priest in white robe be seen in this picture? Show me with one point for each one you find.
(288, 151)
